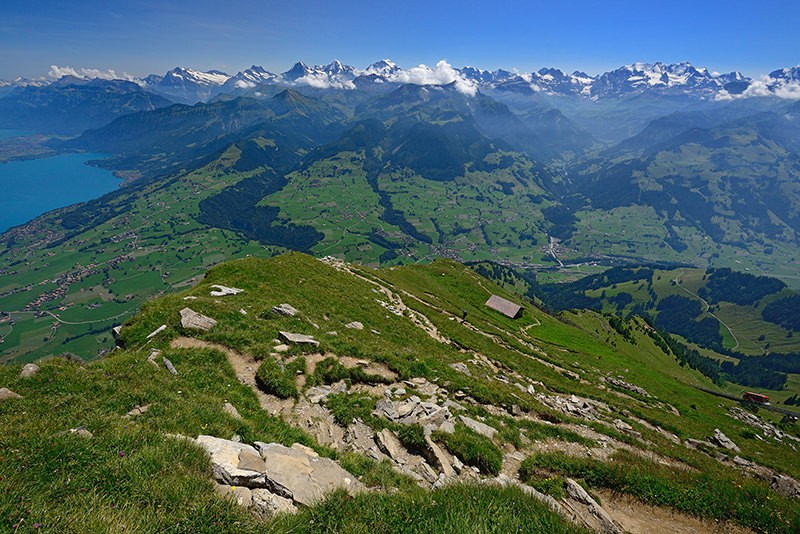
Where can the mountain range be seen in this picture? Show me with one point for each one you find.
(188, 85)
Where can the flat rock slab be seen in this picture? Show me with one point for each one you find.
(6, 393)
(221, 291)
(298, 339)
(197, 321)
(297, 472)
(225, 459)
(478, 427)
(355, 325)
(287, 310)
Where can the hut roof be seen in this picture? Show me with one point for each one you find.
(506, 307)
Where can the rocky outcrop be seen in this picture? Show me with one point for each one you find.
(196, 321)
(355, 325)
(272, 478)
(414, 410)
(721, 440)
(620, 383)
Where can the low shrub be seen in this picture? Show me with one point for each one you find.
(347, 408)
(473, 449)
(331, 370)
(275, 378)
(413, 438)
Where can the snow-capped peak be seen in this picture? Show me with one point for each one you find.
(184, 75)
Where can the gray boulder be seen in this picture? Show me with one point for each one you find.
(226, 457)
(197, 321)
(287, 310)
(6, 394)
(29, 370)
(720, 439)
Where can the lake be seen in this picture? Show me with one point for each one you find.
(30, 188)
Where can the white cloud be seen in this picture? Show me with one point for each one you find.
(320, 80)
(789, 91)
(442, 74)
(766, 86)
(244, 84)
(57, 72)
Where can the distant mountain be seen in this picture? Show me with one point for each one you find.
(249, 78)
(681, 78)
(187, 85)
(71, 105)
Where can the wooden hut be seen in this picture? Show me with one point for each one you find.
(506, 307)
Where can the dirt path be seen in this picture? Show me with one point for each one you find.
(245, 368)
(638, 518)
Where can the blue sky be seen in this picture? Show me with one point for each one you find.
(141, 37)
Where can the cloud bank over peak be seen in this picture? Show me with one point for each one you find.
(442, 74)
(57, 72)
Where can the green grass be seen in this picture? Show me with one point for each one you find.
(457, 508)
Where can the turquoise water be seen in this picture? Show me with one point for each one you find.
(30, 188)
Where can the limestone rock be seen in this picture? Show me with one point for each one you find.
(389, 444)
(29, 370)
(157, 331)
(786, 486)
(81, 431)
(440, 458)
(231, 410)
(225, 458)
(6, 393)
(305, 478)
(298, 339)
(478, 427)
(287, 310)
(137, 411)
(355, 325)
(718, 438)
(154, 353)
(576, 491)
(267, 504)
(221, 291)
(461, 367)
(251, 461)
(197, 321)
(240, 495)
(169, 366)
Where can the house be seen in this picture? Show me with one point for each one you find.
(506, 307)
